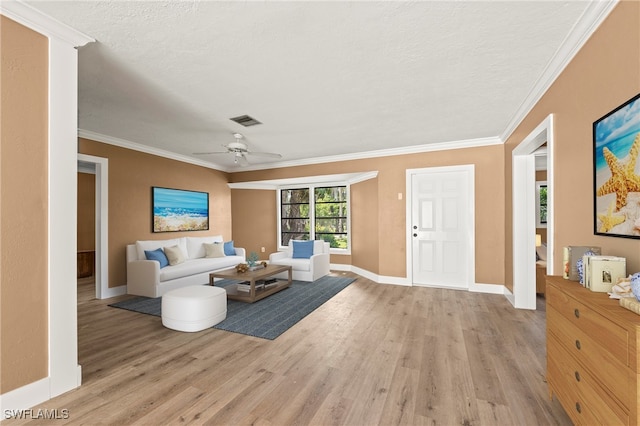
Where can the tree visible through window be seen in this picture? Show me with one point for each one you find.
(329, 221)
(331, 215)
(294, 214)
(541, 203)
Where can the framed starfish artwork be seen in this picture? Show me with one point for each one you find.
(616, 172)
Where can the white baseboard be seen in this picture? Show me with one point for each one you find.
(24, 397)
(510, 297)
(33, 394)
(340, 267)
(403, 281)
(382, 279)
(487, 288)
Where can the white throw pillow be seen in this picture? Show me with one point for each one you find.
(174, 254)
(195, 248)
(214, 250)
(151, 245)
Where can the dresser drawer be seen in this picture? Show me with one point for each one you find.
(588, 396)
(597, 359)
(612, 337)
(567, 394)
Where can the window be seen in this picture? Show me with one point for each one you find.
(541, 204)
(331, 215)
(315, 213)
(294, 213)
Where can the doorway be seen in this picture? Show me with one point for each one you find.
(524, 214)
(440, 218)
(100, 167)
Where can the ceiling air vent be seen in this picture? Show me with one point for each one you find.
(245, 120)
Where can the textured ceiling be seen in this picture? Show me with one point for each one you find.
(325, 78)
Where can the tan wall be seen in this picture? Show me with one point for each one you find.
(254, 218)
(389, 231)
(86, 211)
(131, 176)
(602, 76)
(23, 211)
(364, 225)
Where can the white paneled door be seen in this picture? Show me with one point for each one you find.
(442, 227)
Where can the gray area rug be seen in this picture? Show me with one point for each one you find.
(268, 318)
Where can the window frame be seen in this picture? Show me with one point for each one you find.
(312, 212)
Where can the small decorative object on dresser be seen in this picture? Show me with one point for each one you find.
(602, 272)
(631, 304)
(592, 355)
(635, 285)
(571, 255)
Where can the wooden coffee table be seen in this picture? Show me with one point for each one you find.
(253, 294)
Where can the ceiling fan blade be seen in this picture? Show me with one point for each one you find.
(210, 153)
(242, 160)
(265, 154)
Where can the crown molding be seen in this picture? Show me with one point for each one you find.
(595, 13)
(414, 149)
(441, 146)
(42, 23)
(337, 179)
(122, 143)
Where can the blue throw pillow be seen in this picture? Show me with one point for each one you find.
(157, 255)
(302, 249)
(229, 249)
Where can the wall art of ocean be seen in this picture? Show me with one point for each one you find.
(619, 147)
(168, 212)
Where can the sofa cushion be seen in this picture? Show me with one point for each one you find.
(141, 246)
(198, 266)
(229, 249)
(174, 254)
(195, 248)
(318, 246)
(157, 255)
(302, 249)
(296, 264)
(214, 250)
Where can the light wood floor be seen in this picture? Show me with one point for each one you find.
(374, 354)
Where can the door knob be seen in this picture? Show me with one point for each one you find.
(415, 235)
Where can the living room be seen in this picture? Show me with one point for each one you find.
(598, 79)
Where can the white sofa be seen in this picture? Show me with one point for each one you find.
(310, 269)
(146, 278)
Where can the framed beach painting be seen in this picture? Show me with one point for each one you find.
(616, 144)
(179, 210)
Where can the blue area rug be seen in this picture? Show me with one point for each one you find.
(267, 318)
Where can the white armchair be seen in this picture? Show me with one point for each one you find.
(304, 269)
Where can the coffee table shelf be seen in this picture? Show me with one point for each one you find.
(252, 276)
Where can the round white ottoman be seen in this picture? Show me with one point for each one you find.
(194, 308)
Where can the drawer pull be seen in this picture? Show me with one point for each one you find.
(577, 376)
(576, 312)
(578, 407)
(578, 344)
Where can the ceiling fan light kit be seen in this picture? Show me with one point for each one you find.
(240, 151)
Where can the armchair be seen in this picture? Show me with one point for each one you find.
(304, 269)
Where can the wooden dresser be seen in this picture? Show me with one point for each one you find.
(592, 355)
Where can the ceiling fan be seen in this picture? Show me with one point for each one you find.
(240, 151)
